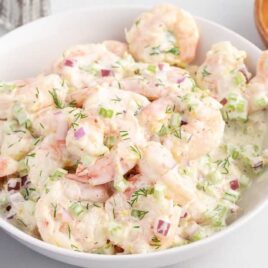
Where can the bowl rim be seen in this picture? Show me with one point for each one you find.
(22, 236)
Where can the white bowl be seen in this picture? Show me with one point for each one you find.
(31, 49)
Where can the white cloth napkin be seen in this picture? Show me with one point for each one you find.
(14, 13)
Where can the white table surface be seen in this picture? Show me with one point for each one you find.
(247, 247)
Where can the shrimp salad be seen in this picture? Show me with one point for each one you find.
(126, 148)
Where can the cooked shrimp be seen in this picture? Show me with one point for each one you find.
(157, 80)
(66, 216)
(188, 126)
(223, 70)
(117, 163)
(41, 92)
(17, 143)
(89, 65)
(256, 91)
(120, 130)
(87, 138)
(55, 121)
(114, 102)
(158, 165)
(146, 225)
(164, 34)
(8, 166)
(47, 156)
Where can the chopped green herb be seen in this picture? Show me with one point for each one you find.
(205, 72)
(69, 231)
(141, 192)
(54, 209)
(175, 51)
(155, 242)
(137, 22)
(58, 103)
(22, 222)
(140, 214)
(116, 99)
(58, 174)
(155, 51)
(163, 131)
(31, 155)
(38, 140)
(170, 109)
(124, 134)
(136, 151)
(110, 141)
(37, 92)
(75, 248)
(224, 164)
(72, 103)
(78, 116)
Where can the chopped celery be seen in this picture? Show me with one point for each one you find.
(6, 88)
(218, 215)
(239, 79)
(236, 107)
(114, 227)
(159, 191)
(120, 184)
(110, 141)
(198, 235)
(244, 181)
(3, 199)
(106, 113)
(175, 120)
(77, 209)
(58, 174)
(151, 68)
(261, 102)
(231, 196)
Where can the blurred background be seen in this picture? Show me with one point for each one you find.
(237, 15)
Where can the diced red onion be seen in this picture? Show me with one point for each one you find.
(163, 227)
(68, 63)
(24, 180)
(78, 134)
(13, 185)
(161, 66)
(223, 101)
(181, 79)
(234, 184)
(118, 249)
(105, 72)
